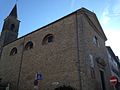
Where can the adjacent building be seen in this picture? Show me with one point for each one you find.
(114, 66)
(67, 53)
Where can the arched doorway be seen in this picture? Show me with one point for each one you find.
(65, 88)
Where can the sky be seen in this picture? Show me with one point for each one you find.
(34, 14)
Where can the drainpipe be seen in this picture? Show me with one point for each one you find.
(20, 68)
(78, 58)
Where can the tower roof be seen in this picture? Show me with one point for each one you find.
(14, 11)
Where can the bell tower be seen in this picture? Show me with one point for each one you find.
(10, 28)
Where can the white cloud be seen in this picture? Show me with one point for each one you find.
(108, 20)
(113, 40)
(111, 11)
(105, 16)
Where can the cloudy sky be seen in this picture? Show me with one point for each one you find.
(34, 14)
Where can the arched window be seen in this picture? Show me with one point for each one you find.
(12, 27)
(13, 51)
(29, 45)
(48, 39)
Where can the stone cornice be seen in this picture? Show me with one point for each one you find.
(94, 27)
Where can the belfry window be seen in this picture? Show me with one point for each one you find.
(29, 45)
(12, 27)
(48, 39)
(13, 51)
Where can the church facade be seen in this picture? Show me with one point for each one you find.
(69, 52)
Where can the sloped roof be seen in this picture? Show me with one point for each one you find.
(89, 15)
(14, 11)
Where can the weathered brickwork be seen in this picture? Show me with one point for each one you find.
(64, 61)
(88, 32)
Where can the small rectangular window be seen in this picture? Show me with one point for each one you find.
(95, 41)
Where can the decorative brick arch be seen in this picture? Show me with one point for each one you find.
(29, 45)
(65, 88)
(13, 51)
(48, 39)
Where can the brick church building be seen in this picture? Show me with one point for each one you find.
(67, 53)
